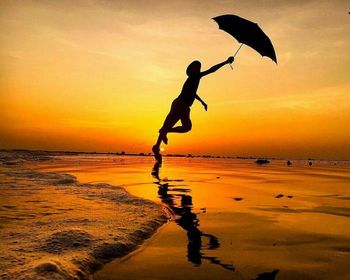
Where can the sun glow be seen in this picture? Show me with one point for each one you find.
(101, 77)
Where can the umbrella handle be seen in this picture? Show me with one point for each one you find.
(236, 54)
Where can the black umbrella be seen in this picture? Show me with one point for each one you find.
(248, 33)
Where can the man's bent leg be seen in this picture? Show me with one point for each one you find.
(185, 127)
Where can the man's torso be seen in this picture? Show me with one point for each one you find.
(189, 90)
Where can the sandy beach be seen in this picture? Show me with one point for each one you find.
(64, 217)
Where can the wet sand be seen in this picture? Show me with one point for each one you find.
(231, 219)
(54, 227)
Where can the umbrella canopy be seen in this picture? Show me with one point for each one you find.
(248, 33)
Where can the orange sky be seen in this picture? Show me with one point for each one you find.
(100, 76)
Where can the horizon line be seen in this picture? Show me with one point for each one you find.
(124, 153)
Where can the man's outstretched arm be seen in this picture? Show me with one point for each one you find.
(217, 66)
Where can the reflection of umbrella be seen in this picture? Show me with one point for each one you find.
(247, 32)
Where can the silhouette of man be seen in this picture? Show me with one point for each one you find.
(180, 107)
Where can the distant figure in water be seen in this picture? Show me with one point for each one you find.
(180, 107)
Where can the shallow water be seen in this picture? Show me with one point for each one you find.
(231, 219)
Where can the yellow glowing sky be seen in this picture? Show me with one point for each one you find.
(100, 76)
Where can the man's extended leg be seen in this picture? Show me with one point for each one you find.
(171, 119)
(159, 140)
(169, 122)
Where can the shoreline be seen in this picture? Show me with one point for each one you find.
(54, 227)
(51, 153)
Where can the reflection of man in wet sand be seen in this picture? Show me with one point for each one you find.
(180, 108)
(189, 221)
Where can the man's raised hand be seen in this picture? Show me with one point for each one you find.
(230, 60)
(205, 106)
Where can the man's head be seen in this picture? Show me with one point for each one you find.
(193, 68)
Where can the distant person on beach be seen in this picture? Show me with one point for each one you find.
(180, 107)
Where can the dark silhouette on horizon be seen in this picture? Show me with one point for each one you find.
(180, 107)
(267, 275)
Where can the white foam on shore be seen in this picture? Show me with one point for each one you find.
(53, 227)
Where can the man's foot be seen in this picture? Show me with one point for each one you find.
(155, 149)
(165, 139)
(157, 155)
